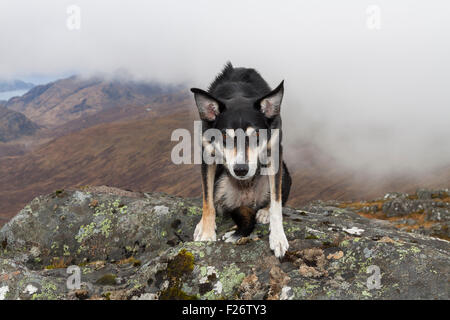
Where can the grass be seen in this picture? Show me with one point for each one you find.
(58, 263)
(419, 217)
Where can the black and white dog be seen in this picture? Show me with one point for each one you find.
(239, 99)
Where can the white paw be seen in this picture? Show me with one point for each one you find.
(262, 216)
(202, 234)
(230, 237)
(278, 242)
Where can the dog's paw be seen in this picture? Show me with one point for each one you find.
(202, 233)
(262, 216)
(278, 242)
(231, 236)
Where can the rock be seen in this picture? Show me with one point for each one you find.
(250, 287)
(369, 209)
(426, 212)
(439, 214)
(80, 294)
(395, 195)
(127, 245)
(424, 194)
(278, 280)
(401, 207)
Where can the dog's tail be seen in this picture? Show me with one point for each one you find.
(245, 219)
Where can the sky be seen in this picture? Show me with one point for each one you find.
(368, 81)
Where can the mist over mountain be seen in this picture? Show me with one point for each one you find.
(14, 85)
(13, 88)
(71, 98)
(101, 131)
(365, 111)
(91, 93)
(377, 99)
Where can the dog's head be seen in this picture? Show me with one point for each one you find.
(243, 125)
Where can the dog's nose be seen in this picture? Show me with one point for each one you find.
(240, 169)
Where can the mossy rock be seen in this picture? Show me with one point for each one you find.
(138, 246)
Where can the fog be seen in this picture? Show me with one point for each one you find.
(370, 85)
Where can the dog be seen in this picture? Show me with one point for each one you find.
(240, 99)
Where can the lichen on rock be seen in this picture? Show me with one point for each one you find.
(139, 246)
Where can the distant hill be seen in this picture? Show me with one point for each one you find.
(129, 147)
(64, 100)
(117, 133)
(133, 152)
(13, 85)
(14, 125)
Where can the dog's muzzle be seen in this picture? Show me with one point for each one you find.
(240, 169)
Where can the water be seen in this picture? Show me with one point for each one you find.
(9, 94)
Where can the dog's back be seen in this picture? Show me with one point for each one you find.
(232, 82)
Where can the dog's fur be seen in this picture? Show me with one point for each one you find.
(239, 98)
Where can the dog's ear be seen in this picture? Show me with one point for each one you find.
(270, 104)
(208, 107)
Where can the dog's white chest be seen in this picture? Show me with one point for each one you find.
(229, 194)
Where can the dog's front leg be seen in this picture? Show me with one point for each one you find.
(277, 238)
(206, 228)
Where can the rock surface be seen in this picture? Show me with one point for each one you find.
(127, 245)
(426, 212)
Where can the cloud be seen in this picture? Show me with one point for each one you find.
(375, 99)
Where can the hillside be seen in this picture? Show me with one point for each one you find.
(14, 125)
(118, 133)
(130, 147)
(131, 154)
(64, 100)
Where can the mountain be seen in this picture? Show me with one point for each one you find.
(138, 246)
(64, 100)
(130, 147)
(14, 124)
(118, 133)
(14, 85)
(133, 153)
